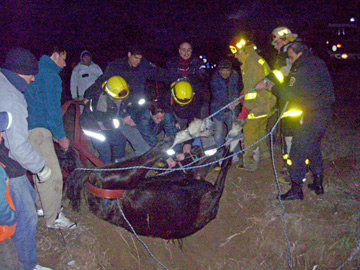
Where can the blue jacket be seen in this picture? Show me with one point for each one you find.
(224, 91)
(149, 129)
(7, 217)
(44, 99)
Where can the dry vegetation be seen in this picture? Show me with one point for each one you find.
(322, 232)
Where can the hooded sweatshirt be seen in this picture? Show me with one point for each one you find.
(83, 77)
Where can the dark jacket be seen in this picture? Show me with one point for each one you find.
(309, 85)
(12, 167)
(198, 76)
(135, 77)
(224, 91)
(149, 129)
(100, 111)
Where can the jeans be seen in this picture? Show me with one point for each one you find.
(112, 148)
(133, 135)
(220, 129)
(23, 196)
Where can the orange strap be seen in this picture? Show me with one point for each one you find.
(110, 194)
(7, 231)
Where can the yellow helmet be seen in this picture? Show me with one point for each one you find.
(239, 44)
(182, 92)
(116, 87)
(282, 32)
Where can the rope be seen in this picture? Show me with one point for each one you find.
(138, 238)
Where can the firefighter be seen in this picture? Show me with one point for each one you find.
(108, 121)
(309, 87)
(257, 107)
(282, 37)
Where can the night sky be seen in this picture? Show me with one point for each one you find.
(108, 27)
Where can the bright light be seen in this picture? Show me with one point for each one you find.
(210, 152)
(338, 45)
(170, 152)
(352, 19)
(94, 135)
(344, 56)
(334, 48)
(116, 123)
(141, 101)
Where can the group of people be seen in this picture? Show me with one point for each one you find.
(30, 96)
(117, 111)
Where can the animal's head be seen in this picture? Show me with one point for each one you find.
(197, 128)
(235, 134)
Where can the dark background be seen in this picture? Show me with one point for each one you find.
(106, 28)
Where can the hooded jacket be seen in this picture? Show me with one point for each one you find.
(16, 136)
(44, 99)
(83, 77)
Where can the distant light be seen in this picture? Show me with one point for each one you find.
(327, 42)
(344, 56)
(338, 45)
(334, 48)
(352, 19)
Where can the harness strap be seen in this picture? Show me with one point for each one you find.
(110, 194)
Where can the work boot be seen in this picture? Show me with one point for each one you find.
(295, 193)
(317, 184)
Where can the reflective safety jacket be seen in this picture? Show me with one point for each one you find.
(101, 113)
(259, 103)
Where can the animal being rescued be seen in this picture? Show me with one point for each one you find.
(170, 206)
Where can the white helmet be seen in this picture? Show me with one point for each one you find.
(283, 33)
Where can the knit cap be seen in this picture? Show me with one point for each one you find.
(22, 62)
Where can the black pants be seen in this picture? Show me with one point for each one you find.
(307, 142)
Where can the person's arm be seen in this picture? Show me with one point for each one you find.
(95, 89)
(146, 130)
(51, 90)
(74, 83)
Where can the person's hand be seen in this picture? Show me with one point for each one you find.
(44, 175)
(171, 163)
(128, 121)
(180, 157)
(85, 101)
(177, 125)
(64, 143)
(262, 85)
(187, 148)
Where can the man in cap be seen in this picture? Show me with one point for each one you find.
(17, 155)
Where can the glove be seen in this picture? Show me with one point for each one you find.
(44, 175)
